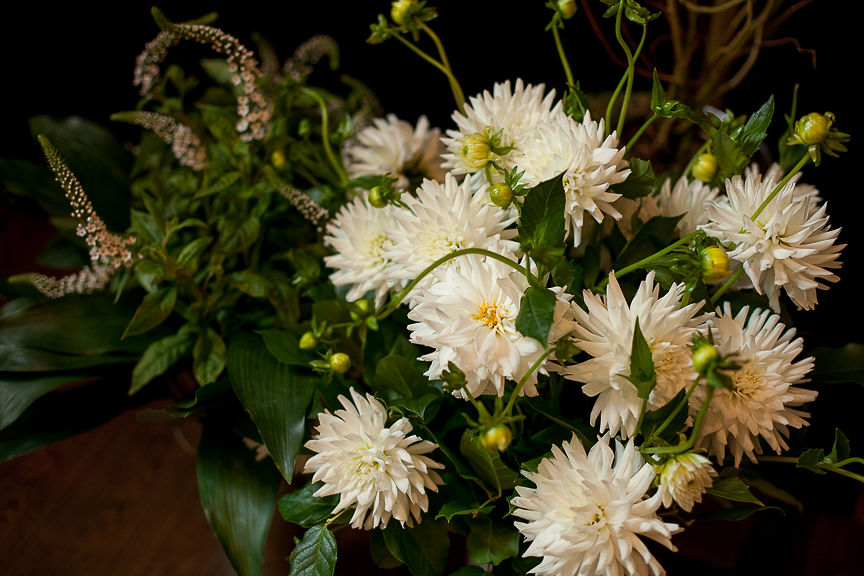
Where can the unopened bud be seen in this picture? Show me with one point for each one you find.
(340, 362)
(362, 306)
(497, 437)
(814, 127)
(399, 11)
(475, 151)
(277, 158)
(705, 167)
(377, 197)
(704, 356)
(567, 8)
(501, 194)
(308, 341)
(715, 264)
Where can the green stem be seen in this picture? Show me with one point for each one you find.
(454, 84)
(512, 401)
(631, 73)
(726, 285)
(694, 434)
(689, 167)
(325, 136)
(611, 104)
(394, 304)
(639, 132)
(684, 401)
(854, 459)
(641, 417)
(649, 259)
(801, 163)
(561, 54)
(835, 468)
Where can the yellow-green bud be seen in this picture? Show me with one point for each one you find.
(277, 158)
(705, 167)
(376, 197)
(475, 151)
(308, 341)
(340, 362)
(399, 10)
(567, 8)
(814, 127)
(501, 194)
(362, 306)
(715, 264)
(704, 356)
(497, 437)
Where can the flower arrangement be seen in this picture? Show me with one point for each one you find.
(516, 330)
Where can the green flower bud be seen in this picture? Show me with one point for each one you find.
(501, 194)
(813, 128)
(340, 362)
(475, 151)
(715, 264)
(567, 8)
(277, 158)
(399, 11)
(704, 356)
(705, 167)
(308, 341)
(497, 437)
(362, 306)
(377, 197)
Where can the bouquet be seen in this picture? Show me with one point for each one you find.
(554, 333)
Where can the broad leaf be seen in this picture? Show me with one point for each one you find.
(811, 459)
(237, 494)
(159, 357)
(17, 393)
(208, 357)
(285, 347)
(541, 225)
(154, 309)
(276, 396)
(734, 489)
(238, 236)
(536, 313)
(301, 507)
(424, 548)
(487, 465)
(315, 553)
(490, 542)
(381, 556)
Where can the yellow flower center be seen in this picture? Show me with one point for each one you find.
(746, 382)
(490, 315)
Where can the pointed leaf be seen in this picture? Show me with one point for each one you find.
(756, 128)
(315, 554)
(487, 465)
(285, 347)
(154, 309)
(424, 548)
(810, 459)
(840, 449)
(641, 364)
(541, 226)
(276, 396)
(17, 393)
(208, 357)
(237, 494)
(490, 542)
(158, 358)
(303, 508)
(536, 313)
(733, 488)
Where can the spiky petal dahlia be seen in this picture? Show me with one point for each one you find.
(684, 478)
(381, 470)
(588, 512)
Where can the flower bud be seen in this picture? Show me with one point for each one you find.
(705, 167)
(501, 194)
(277, 158)
(497, 437)
(814, 127)
(340, 362)
(377, 197)
(715, 264)
(308, 341)
(475, 151)
(567, 8)
(362, 306)
(704, 356)
(399, 11)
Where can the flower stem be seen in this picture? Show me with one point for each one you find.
(835, 467)
(561, 54)
(693, 160)
(671, 416)
(631, 72)
(325, 136)
(399, 296)
(801, 163)
(648, 259)
(694, 434)
(640, 131)
(512, 401)
(726, 285)
(454, 84)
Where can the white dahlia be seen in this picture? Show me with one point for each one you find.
(587, 514)
(392, 146)
(514, 113)
(441, 219)
(359, 233)
(684, 478)
(789, 246)
(605, 332)
(381, 470)
(764, 398)
(590, 164)
(687, 197)
(469, 317)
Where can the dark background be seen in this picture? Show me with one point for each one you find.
(69, 59)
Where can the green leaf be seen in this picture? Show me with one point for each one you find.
(36, 182)
(237, 494)
(159, 357)
(285, 347)
(640, 182)
(734, 514)
(101, 164)
(17, 393)
(810, 459)
(220, 185)
(192, 251)
(154, 309)
(145, 227)
(455, 508)
(303, 508)
(536, 313)
(403, 384)
(541, 225)
(424, 548)
(208, 357)
(237, 237)
(653, 418)
(469, 571)
(658, 94)
(839, 365)
(218, 392)
(840, 450)
(733, 488)
(656, 234)
(490, 542)
(641, 364)
(756, 128)
(389, 340)
(315, 554)
(276, 396)
(251, 283)
(487, 465)
(672, 109)
(381, 556)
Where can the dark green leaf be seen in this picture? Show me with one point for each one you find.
(536, 313)
(251, 283)
(653, 418)
(455, 508)
(204, 397)
(159, 357)
(810, 459)
(640, 182)
(17, 393)
(641, 364)
(756, 128)
(237, 494)
(731, 159)
(469, 571)
(285, 347)
(389, 340)
(208, 357)
(734, 514)
(403, 384)
(315, 554)
(654, 235)
(381, 556)
(221, 184)
(490, 542)
(154, 309)
(424, 548)
(192, 251)
(145, 227)
(301, 507)
(734, 489)
(541, 226)
(238, 236)
(487, 465)
(552, 411)
(35, 182)
(658, 94)
(840, 365)
(276, 396)
(840, 449)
